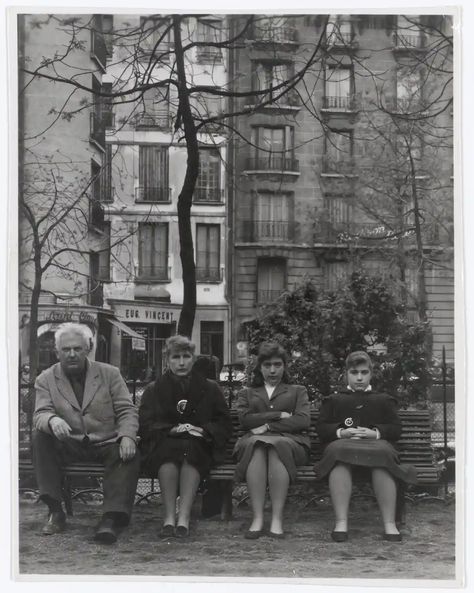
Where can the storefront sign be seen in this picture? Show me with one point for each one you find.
(145, 314)
(59, 316)
(138, 344)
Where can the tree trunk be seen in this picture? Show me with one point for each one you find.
(188, 311)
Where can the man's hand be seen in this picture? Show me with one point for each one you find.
(285, 415)
(60, 428)
(260, 429)
(127, 448)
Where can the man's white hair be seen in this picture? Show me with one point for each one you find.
(74, 328)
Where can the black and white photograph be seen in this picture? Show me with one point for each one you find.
(239, 253)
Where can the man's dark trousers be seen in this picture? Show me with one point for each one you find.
(119, 480)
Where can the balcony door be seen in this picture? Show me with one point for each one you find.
(274, 147)
(272, 217)
(153, 174)
(338, 88)
(271, 279)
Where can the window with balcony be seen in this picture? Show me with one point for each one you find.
(152, 174)
(208, 185)
(272, 220)
(208, 253)
(98, 47)
(408, 35)
(337, 275)
(275, 29)
(339, 89)
(271, 279)
(338, 158)
(209, 32)
(107, 190)
(339, 216)
(409, 90)
(268, 75)
(155, 38)
(153, 251)
(153, 110)
(101, 116)
(96, 210)
(205, 105)
(273, 149)
(339, 32)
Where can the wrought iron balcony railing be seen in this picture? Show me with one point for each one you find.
(278, 34)
(341, 39)
(209, 274)
(152, 194)
(339, 102)
(271, 162)
(152, 273)
(338, 166)
(158, 118)
(409, 40)
(266, 231)
(208, 194)
(209, 54)
(268, 296)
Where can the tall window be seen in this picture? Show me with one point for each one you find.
(154, 109)
(276, 29)
(267, 75)
(212, 339)
(409, 90)
(409, 34)
(272, 220)
(339, 212)
(337, 275)
(107, 191)
(271, 279)
(338, 30)
(339, 151)
(208, 185)
(209, 31)
(153, 250)
(338, 89)
(274, 147)
(208, 252)
(153, 174)
(155, 37)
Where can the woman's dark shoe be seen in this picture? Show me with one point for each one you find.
(182, 531)
(253, 534)
(392, 537)
(274, 535)
(339, 536)
(56, 523)
(167, 531)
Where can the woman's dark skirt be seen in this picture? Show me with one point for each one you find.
(364, 453)
(195, 450)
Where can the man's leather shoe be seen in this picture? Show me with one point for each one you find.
(339, 536)
(55, 524)
(106, 532)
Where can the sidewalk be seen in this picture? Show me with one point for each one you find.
(218, 549)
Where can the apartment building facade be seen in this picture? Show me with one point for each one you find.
(324, 178)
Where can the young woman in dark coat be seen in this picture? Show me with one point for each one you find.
(184, 427)
(276, 416)
(359, 427)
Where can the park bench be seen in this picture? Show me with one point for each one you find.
(414, 447)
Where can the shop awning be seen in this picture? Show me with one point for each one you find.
(123, 327)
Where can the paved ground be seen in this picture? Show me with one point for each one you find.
(217, 548)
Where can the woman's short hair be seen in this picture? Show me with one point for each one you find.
(358, 357)
(79, 329)
(179, 344)
(266, 351)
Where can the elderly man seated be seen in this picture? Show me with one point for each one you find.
(84, 412)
